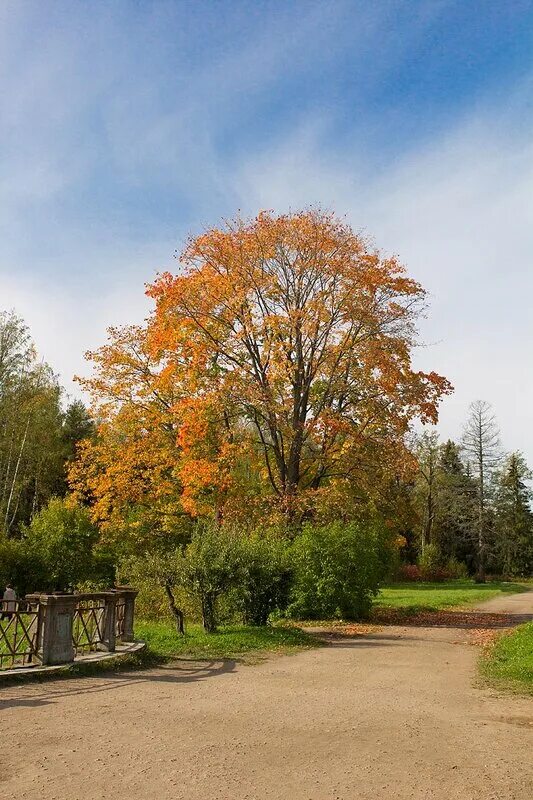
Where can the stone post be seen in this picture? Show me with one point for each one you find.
(56, 632)
(129, 595)
(109, 638)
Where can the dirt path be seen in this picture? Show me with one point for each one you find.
(391, 715)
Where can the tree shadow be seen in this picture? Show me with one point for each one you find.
(466, 586)
(362, 642)
(449, 619)
(173, 673)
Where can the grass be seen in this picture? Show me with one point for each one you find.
(228, 642)
(415, 597)
(164, 644)
(509, 661)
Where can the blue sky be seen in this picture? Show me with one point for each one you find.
(126, 126)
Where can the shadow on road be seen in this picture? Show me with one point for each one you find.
(449, 619)
(174, 673)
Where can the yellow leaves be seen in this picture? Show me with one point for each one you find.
(275, 369)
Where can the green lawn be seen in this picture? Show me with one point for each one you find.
(228, 642)
(413, 597)
(509, 662)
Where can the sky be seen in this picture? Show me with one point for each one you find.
(125, 127)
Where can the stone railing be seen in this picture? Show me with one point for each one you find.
(56, 628)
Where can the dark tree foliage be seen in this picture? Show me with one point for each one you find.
(513, 518)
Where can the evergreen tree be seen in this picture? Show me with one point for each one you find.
(514, 518)
(455, 506)
(77, 425)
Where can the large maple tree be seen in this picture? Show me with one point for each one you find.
(277, 368)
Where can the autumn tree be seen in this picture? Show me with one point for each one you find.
(481, 446)
(129, 472)
(277, 363)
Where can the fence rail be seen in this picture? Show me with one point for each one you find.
(57, 628)
(19, 634)
(88, 624)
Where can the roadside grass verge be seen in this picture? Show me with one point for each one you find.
(411, 598)
(163, 641)
(508, 662)
(164, 645)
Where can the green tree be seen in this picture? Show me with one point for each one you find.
(62, 539)
(77, 425)
(211, 565)
(266, 579)
(426, 485)
(514, 518)
(456, 494)
(31, 449)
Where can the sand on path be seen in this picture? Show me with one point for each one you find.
(391, 715)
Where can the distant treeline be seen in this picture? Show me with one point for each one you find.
(39, 428)
(473, 501)
(461, 507)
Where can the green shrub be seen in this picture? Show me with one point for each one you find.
(456, 569)
(430, 563)
(265, 583)
(155, 576)
(338, 569)
(210, 566)
(151, 603)
(222, 576)
(18, 567)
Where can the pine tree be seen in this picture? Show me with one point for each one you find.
(455, 506)
(514, 518)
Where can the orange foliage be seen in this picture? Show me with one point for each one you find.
(274, 374)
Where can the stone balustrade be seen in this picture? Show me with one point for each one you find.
(64, 626)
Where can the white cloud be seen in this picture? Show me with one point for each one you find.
(460, 216)
(457, 210)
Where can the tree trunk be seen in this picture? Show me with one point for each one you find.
(208, 613)
(176, 612)
(480, 575)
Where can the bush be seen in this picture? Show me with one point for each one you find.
(456, 569)
(149, 573)
(18, 567)
(221, 576)
(212, 564)
(338, 569)
(430, 563)
(409, 572)
(265, 584)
